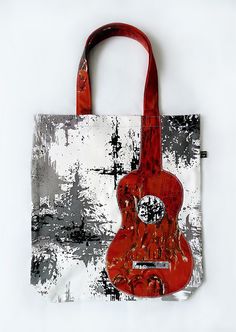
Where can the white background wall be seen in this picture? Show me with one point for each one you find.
(195, 47)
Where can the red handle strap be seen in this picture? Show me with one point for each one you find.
(84, 103)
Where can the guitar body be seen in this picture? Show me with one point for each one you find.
(149, 235)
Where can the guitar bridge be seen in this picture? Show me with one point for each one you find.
(150, 265)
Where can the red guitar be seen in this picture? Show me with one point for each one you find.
(149, 256)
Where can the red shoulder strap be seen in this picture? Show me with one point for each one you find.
(84, 102)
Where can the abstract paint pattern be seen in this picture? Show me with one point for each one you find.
(77, 164)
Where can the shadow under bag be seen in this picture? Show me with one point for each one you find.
(116, 199)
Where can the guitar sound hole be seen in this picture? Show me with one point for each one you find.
(151, 209)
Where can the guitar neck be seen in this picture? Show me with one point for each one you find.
(150, 154)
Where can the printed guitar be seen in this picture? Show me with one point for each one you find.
(149, 256)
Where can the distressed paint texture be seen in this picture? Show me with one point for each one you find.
(77, 163)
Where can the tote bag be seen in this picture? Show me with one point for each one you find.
(116, 199)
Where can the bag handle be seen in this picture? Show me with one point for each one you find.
(83, 95)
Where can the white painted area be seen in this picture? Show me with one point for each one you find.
(195, 46)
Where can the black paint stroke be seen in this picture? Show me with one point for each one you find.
(180, 136)
(117, 168)
(44, 266)
(107, 288)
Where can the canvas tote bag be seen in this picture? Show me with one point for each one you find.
(116, 199)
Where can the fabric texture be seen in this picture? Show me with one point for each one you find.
(77, 162)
